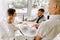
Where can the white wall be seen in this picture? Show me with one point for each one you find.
(3, 8)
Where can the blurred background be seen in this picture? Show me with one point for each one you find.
(23, 7)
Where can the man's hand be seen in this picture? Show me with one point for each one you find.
(36, 25)
(37, 38)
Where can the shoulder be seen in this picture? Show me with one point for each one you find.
(46, 24)
(50, 22)
(44, 18)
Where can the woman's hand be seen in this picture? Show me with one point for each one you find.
(36, 25)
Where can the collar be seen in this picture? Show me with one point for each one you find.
(54, 17)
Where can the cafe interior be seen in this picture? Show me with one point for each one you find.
(26, 11)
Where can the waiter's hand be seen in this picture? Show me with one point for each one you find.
(37, 38)
(36, 25)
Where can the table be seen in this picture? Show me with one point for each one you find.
(28, 32)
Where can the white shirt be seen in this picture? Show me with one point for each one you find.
(3, 31)
(57, 37)
(11, 28)
(50, 28)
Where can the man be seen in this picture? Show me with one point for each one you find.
(40, 18)
(50, 28)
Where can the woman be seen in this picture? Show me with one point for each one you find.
(11, 22)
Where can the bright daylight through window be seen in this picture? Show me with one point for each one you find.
(28, 7)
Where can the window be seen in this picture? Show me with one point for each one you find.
(37, 4)
(19, 5)
(28, 7)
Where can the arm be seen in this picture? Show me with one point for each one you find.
(32, 20)
(15, 29)
(42, 31)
